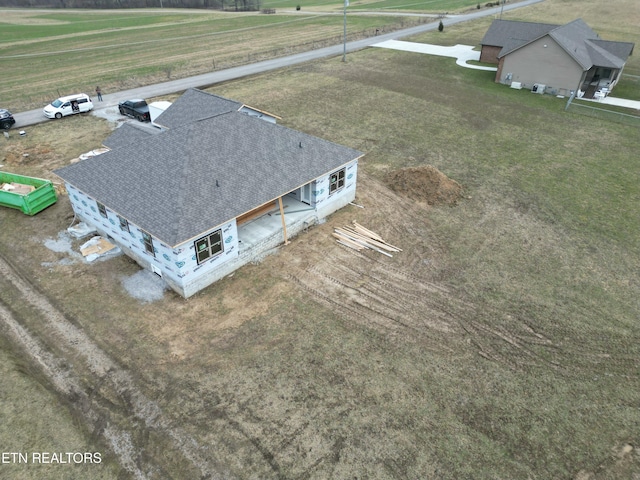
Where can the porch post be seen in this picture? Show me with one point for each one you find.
(284, 223)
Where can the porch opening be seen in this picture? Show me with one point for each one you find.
(265, 221)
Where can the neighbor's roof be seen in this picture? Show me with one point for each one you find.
(576, 38)
(503, 32)
(608, 54)
(186, 180)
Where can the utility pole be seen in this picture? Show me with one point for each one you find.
(344, 51)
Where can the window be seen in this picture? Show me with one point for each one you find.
(124, 224)
(102, 209)
(209, 246)
(148, 243)
(336, 181)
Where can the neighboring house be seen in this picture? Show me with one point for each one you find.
(215, 189)
(556, 59)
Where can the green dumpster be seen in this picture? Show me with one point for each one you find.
(28, 194)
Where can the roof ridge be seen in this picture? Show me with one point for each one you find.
(612, 57)
(571, 38)
(183, 184)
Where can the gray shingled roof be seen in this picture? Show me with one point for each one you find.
(195, 105)
(608, 54)
(571, 37)
(619, 49)
(516, 34)
(189, 179)
(128, 133)
(576, 38)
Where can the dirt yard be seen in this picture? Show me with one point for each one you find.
(396, 297)
(303, 370)
(501, 342)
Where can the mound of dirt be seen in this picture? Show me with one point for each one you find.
(425, 184)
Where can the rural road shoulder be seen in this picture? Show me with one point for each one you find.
(32, 117)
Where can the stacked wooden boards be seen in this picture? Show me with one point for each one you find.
(360, 238)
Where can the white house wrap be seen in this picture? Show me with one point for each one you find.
(198, 199)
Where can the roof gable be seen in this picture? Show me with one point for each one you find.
(194, 105)
(184, 181)
(513, 33)
(571, 37)
(128, 133)
(609, 54)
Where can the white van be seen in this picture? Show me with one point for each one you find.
(68, 105)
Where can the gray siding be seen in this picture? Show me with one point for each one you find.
(560, 73)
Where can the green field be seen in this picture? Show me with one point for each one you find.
(425, 6)
(72, 51)
(46, 54)
(429, 6)
(502, 343)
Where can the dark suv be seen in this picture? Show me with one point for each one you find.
(136, 108)
(6, 119)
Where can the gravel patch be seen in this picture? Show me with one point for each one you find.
(145, 286)
(62, 244)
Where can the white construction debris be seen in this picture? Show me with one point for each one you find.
(98, 247)
(81, 230)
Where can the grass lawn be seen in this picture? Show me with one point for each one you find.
(516, 353)
(429, 6)
(71, 51)
(544, 248)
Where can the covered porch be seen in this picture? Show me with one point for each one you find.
(261, 225)
(598, 82)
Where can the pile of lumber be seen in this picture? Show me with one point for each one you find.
(359, 238)
(97, 245)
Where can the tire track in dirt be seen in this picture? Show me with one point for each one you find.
(372, 293)
(397, 295)
(89, 395)
(413, 309)
(492, 341)
(69, 386)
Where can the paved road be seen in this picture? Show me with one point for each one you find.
(32, 117)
